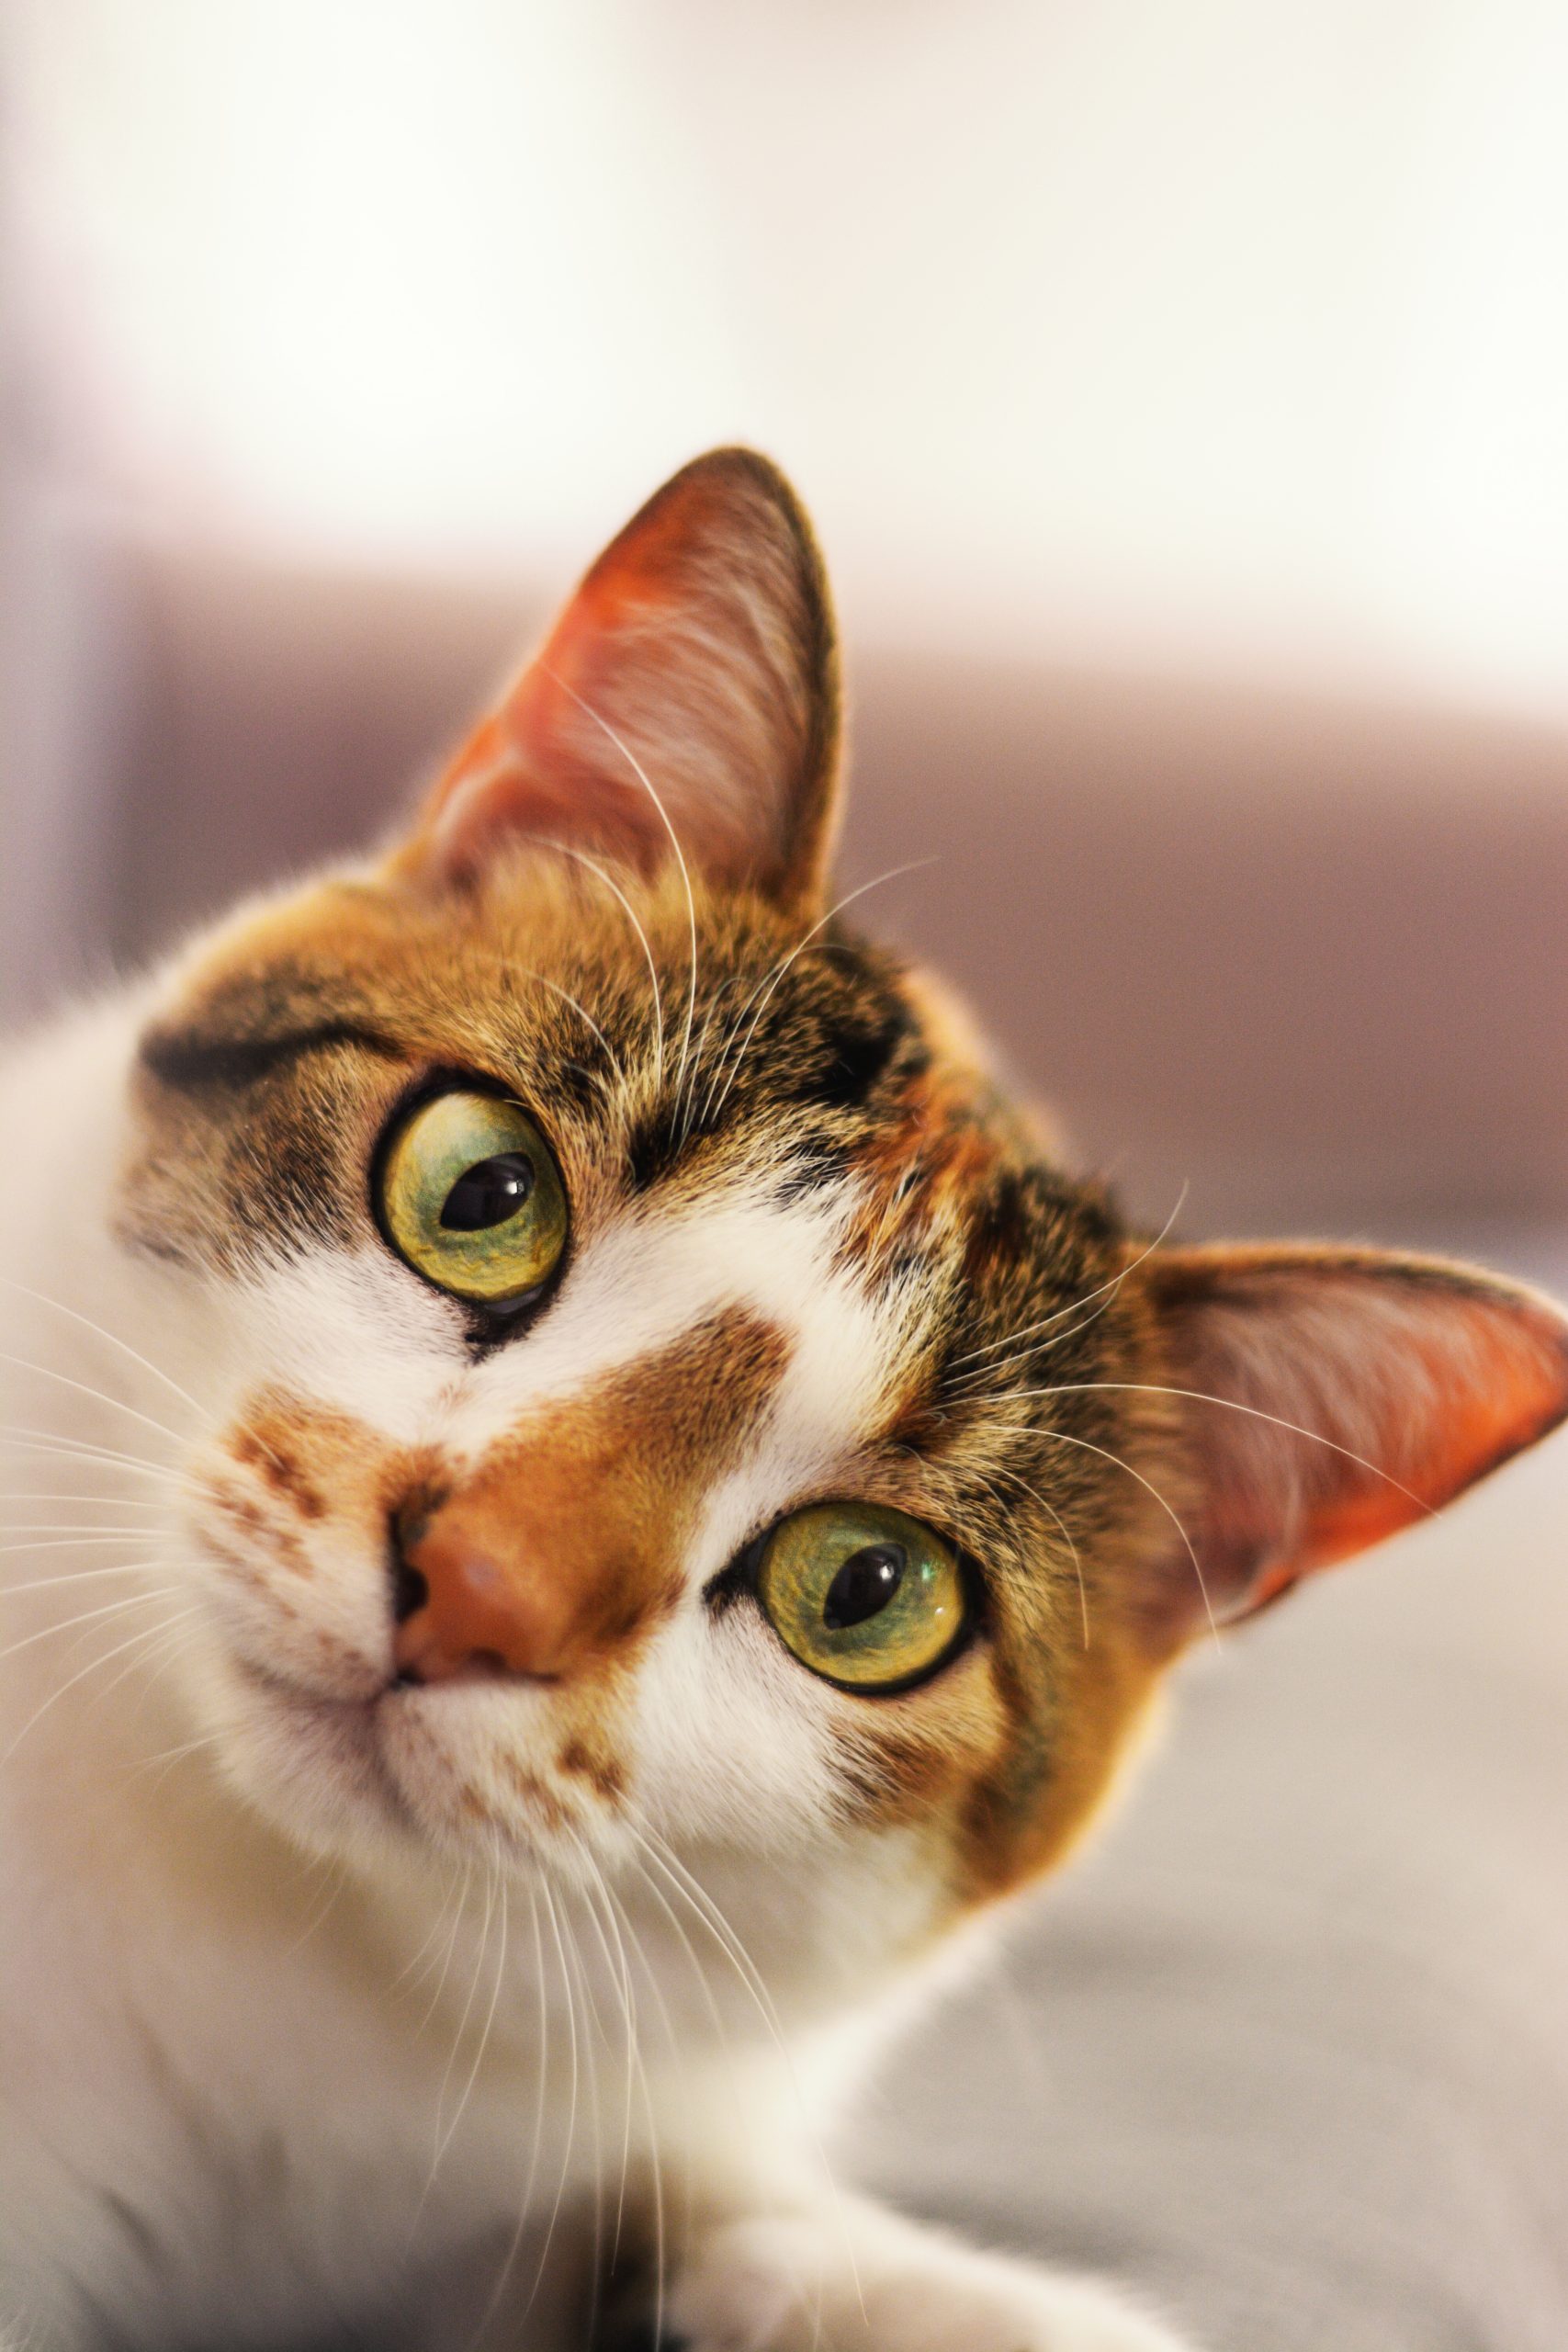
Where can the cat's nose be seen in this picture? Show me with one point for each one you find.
(467, 1607)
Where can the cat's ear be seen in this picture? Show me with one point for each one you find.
(687, 693)
(1414, 1378)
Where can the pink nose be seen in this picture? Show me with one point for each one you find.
(469, 1606)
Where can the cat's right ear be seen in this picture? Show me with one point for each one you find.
(688, 694)
(1328, 1398)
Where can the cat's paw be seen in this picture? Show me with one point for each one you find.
(870, 2283)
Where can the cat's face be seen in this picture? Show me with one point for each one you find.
(662, 1395)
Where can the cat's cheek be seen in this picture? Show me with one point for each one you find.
(733, 1741)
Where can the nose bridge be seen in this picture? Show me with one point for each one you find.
(566, 1541)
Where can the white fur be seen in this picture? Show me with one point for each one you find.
(284, 2034)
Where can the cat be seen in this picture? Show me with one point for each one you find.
(588, 1503)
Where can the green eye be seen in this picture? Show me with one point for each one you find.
(469, 1195)
(862, 1596)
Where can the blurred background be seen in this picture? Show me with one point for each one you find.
(1182, 395)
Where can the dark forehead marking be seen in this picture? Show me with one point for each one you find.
(197, 1061)
(817, 1045)
(856, 1051)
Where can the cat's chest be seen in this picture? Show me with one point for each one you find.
(287, 2110)
(237, 2175)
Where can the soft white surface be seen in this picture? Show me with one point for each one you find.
(1292, 2047)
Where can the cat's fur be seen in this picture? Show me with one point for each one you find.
(335, 2011)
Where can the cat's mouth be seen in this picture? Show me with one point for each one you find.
(440, 1766)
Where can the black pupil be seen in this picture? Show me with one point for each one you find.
(488, 1192)
(866, 1582)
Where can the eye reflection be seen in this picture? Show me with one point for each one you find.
(866, 1582)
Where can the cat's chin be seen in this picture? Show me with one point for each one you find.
(400, 1768)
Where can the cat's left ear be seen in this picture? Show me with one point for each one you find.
(1331, 1397)
(688, 693)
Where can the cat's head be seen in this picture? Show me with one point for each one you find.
(663, 1393)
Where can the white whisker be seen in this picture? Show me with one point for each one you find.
(88, 1616)
(103, 1332)
(1047, 1504)
(149, 1632)
(451, 1945)
(772, 980)
(571, 2118)
(1018, 1340)
(19, 1439)
(98, 1396)
(77, 1576)
(1064, 1437)
(122, 1502)
(488, 2024)
(1230, 1405)
(71, 1539)
(643, 778)
(581, 857)
(443, 2137)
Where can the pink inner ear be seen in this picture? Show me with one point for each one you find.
(1421, 1377)
(686, 695)
(518, 778)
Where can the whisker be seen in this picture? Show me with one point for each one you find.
(149, 1660)
(643, 778)
(719, 1926)
(635, 2064)
(71, 1539)
(1231, 1404)
(122, 1502)
(22, 1440)
(87, 1616)
(686, 1108)
(571, 2118)
(323, 1912)
(593, 2024)
(451, 1945)
(149, 1632)
(720, 2031)
(170, 1757)
(103, 1332)
(771, 980)
(729, 1942)
(1064, 1437)
(596, 1880)
(526, 2203)
(488, 2025)
(1016, 1339)
(77, 1576)
(411, 1971)
(581, 857)
(98, 1396)
(442, 2138)
(1047, 1505)
(617, 1913)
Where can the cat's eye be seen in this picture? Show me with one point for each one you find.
(863, 1596)
(469, 1192)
